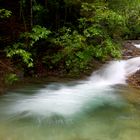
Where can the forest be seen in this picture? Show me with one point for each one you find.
(63, 37)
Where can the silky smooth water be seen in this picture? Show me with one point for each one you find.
(100, 107)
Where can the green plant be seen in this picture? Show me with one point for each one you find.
(131, 11)
(23, 48)
(35, 35)
(75, 53)
(96, 38)
(102, 28)
(17, 49)
(10, 78)
(5, 13)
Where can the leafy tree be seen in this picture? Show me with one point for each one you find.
(23, 49)
(5, 13)
(81, 31)
(95, 38)
(131, 11)
(74, 53)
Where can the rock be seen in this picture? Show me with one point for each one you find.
(130, 51)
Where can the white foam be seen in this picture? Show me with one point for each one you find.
(69, 100)
(137, 45)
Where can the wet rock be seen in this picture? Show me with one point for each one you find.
(130, 51)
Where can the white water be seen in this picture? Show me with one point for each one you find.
(94, 108)
(67, 101)
(137, 45)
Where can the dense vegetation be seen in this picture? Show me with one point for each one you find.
(65, 35)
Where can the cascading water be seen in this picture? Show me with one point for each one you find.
(69, 100)
(137, 45)
(65, 103)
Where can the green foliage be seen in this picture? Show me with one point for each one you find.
(17, 49)
(11, 78)
(37, 7)
(82, 30)
(5, 13)
(131, 11)
(22, 3)
(35, 35)
(99, 29)
(102, 19)
(73, 52)
(28, 41)
(39, 13)
(102, 27)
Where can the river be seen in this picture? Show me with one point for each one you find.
(101, 107)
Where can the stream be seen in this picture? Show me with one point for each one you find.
(101, 107)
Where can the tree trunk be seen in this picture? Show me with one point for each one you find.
(31, 13)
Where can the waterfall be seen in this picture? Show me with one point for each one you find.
(116, 72)
(67, 101)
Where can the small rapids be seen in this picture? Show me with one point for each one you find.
(137, 45)
(81, 110)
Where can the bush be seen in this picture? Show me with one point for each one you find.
(23, 49)
(95, 38)
(10, 78)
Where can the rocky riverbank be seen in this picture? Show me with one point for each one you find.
(130, 51)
